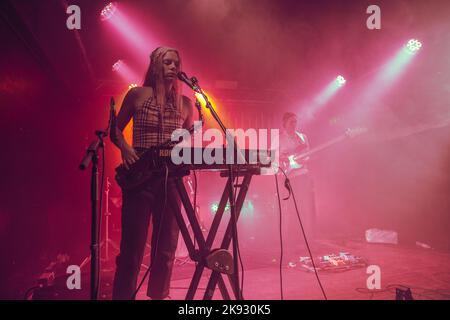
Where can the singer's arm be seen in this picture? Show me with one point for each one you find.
(129, 155)
(188, 109)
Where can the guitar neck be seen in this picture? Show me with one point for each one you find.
(321, 147)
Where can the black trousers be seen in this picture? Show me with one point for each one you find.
(138, 206)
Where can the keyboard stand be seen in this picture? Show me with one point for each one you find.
(220, 261)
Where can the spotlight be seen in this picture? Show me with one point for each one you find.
(413, 45)
(214, 207)
(116, 66)
(108, 11)
(133, 85)
(340, 80)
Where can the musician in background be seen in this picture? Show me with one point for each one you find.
(292, 144)
(157, 109)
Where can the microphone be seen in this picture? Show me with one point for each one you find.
(183, 77)
(112, 116)
(112, 109)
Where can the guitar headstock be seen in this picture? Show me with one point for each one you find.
(353, 132)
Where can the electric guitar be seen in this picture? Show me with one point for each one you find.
(297, 161)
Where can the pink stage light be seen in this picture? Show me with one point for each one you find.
(125, 72)
(108, 11)
(116, 66)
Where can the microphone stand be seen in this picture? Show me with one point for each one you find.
(92, 157)
(233, 218)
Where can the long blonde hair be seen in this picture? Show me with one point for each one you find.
(155, 78)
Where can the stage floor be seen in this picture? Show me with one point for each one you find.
(425, 271)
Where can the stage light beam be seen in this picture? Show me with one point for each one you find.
(125, 72)
(329, 91)
(387, 76)
(323, 97)
(129, 29)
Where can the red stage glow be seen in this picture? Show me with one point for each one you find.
(358, 119)
(209, 120)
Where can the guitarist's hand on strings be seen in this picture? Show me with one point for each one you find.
(129, 155)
